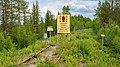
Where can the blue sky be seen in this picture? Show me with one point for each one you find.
(78, 7)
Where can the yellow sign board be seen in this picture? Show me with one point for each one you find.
(63, 24)
(102, 35)
(50, 28)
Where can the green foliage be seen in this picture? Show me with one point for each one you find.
(96, 25)
(4, 61)
(79, 22)
(66, 10)
(84, 46)
(50, 21)
(109, 10)
(23, 37)
(6, 43)
(103, 12)
(112, 31)
(34, 19)
(107, 23)
(116, 43)
(13, 58)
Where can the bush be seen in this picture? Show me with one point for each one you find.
(116, 43)
(23, 37)
(6, 43)
(116, 47)
(84, 46)
(112, 32)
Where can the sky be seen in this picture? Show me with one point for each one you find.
(78, 7)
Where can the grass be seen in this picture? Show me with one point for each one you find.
(81, 49)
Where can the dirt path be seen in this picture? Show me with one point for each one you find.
(43, 54)
(49, 54)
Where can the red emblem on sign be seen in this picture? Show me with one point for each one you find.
(63, 18)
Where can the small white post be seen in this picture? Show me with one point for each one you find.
(68, 36)
(102, 42)
(102, 35)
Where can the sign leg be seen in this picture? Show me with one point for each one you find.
(57, 38)
(102, 42)
(68, 36)
(50, 36)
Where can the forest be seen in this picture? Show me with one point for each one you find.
(22, 35)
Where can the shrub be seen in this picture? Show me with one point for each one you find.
(23, 37)
(6, 43)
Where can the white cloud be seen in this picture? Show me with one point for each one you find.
(82, 7)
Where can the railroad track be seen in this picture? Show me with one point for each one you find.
(34, 56)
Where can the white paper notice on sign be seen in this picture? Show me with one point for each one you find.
(63, 24)
(45, 35)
